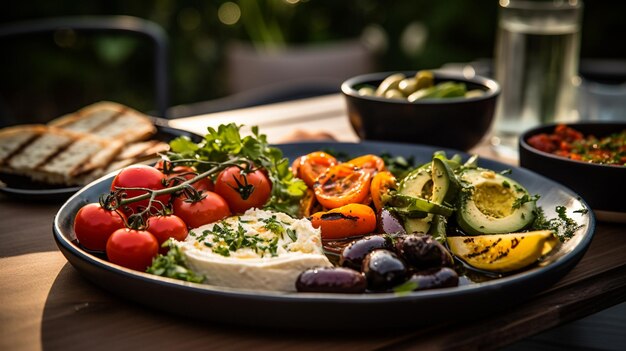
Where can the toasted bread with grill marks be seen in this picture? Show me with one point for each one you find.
(108, 120)
(81, 146)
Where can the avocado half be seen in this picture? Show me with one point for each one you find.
(491, 203)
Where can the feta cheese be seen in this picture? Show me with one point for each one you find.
(259, 250)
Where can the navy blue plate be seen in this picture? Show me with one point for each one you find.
(334, 311)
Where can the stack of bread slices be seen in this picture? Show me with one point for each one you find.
(79, 147)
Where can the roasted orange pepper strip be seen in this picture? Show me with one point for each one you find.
(344, 222)
(381, 184)
(342, 184)
(369, 162)
(309, 167)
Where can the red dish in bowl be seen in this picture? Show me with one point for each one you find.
(601, 185)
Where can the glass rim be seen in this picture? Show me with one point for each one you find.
(555, 5)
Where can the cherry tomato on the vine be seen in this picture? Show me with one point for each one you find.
(341, 185)
(132, 248)
(178, 174)
(209, 209)
(140, 176)
(166, 227)
(94, 225)
(243, 190)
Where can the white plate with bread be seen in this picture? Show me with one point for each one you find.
(54, 160)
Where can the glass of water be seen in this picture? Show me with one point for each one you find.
(536, 64)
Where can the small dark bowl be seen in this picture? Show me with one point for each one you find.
(458, 123)
(601, 186)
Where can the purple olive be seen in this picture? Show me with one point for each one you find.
(388, 223)
(331, 280)
(383, 270)
(352, 255)
(422, 251)
(434, 278)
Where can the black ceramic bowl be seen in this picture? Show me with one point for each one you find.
(458, 123)
(601, 186)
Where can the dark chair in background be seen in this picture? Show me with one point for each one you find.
(19, 69)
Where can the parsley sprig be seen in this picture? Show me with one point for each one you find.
(173, 265)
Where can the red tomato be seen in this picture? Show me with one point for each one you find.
(165, 227)
(243, 191)
(93, 225)
(310, 166)
(341, 185)
(140, 176)
(209, 209)
(186, 173)
(132, 249)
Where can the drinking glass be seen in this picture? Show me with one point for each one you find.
(536, 63)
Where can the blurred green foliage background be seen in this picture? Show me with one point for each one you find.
(39, 78)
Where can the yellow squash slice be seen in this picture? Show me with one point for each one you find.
(503, 252)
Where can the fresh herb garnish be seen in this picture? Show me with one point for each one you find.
(273, 225)
(562, 226)
(399, 166)
(173, 265)
(292, 234)
(524, 199)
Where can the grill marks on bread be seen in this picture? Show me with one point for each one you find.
(79, 147)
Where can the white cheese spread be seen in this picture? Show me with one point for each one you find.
(258, 250)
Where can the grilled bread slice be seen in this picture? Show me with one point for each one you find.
(79, 147)
(58, 156)
(108, 120)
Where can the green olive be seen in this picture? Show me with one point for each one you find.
(424, 79)
(474, 93)
(394, 94)
(408, 86)
(366, 91)
(424, 93)
(389, 83)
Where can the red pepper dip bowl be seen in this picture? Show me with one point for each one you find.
(550, 150)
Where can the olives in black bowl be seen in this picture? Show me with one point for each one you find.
(331, 280)
(422, 251)
(383, 270)
(352, 255)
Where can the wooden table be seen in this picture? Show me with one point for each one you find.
(46, 304)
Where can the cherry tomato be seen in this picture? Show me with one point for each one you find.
(342, 184)
(243, 191)
(381, 184)
(186, 173)
(140, 176)
(132, 249)
(209, 209)
(94, 225)
(310, 166)
(370, 162)
(344, 222)
(166, 227)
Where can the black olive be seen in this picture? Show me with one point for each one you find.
(352, 255)
(331, 280)
(434, 278)
(383, 270)
(422, 251)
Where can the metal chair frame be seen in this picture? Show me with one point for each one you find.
(113, 24)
